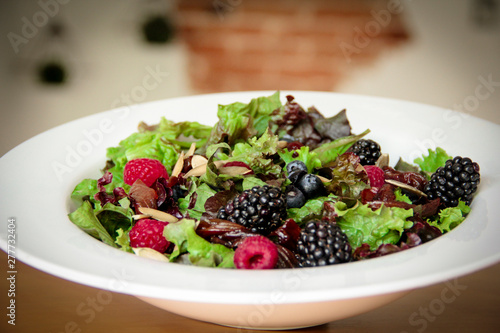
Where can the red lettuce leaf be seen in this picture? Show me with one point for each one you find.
(103, 196)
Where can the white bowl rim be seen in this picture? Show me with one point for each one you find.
(79, 258)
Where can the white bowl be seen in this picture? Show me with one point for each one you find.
(39, 175)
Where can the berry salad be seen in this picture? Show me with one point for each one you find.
(270, 185)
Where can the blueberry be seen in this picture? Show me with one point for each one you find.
(295, 176)
(295, 198)
(311, 186)
(295, 165)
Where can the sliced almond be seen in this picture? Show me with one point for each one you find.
(382, 161)
(158, 215)
(140, 216)
(197, 172)
(219, 164)
(191, 150)
(234, 170)
(406, 187)
(282, 144)
(201, 169)
(149, 253)
(178, 165)
(198, 160)
(324, 179)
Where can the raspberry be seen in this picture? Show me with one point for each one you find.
(149, 233)
(146, 169)
(256, 252)
(375, 175)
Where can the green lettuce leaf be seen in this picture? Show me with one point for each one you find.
(401, 197)
(310, 159)
(184, 133)
(162, 142)
(203, 192)
(433, 161)
(249, 182)
(123, 241)
(85, 190)
(239, 121)
(328, 152)
(362, 225)
(85, 218)
(114, 217)
(201, 252)
(312, 209)
(257, 153)
(104, 222)
(450, 217)
(141, 145)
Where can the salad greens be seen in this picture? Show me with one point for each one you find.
(433, 160)
(261, 137)
(362, 224)
(200, 251)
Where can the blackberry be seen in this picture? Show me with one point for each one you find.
(368, 151)
(457, 180)
(322, 243)
(260, 209)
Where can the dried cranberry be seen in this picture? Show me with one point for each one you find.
(294, 145)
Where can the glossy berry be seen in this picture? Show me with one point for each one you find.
(149, 233)
(261, 209)
(368, 151)
(376, 176)
(457, 180)
(296, 165)
(294, 197)
(146, 169)
(256, 252)
(322, 243)
(296, 175)
(311, 186)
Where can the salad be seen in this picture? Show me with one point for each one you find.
(270, 185)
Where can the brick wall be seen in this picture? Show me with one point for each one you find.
(238, 45)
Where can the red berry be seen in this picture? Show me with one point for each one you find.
(256, 252)
(146, 169)
(375, 175)
(149, 233)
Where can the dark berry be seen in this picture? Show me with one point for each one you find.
(456, 180)
(311, 186)
(294, 197)
(295, 176)
(178, 192)
(368, 151)
(260, 209)
(322, 243)
(296, 165)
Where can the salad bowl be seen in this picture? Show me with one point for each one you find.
(39, 175)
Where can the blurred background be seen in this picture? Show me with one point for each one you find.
(64, 59)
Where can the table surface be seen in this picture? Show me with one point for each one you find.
(45, 303)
